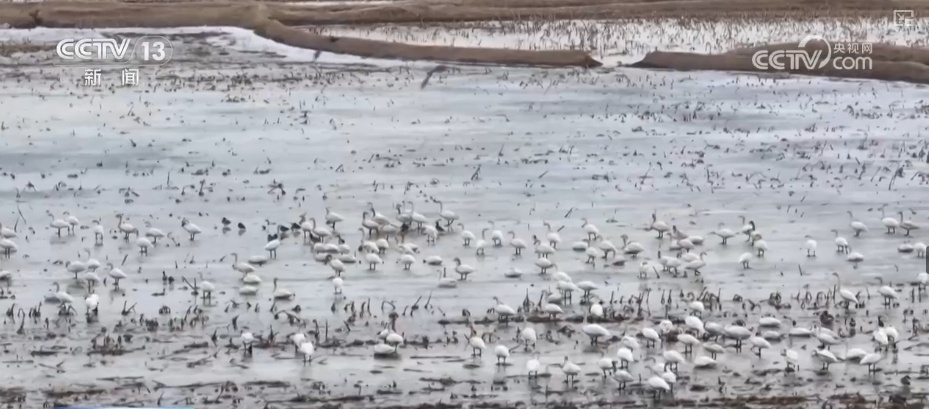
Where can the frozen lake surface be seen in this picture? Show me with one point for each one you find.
(512, 147)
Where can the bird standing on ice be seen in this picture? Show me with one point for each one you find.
(191, 228)
(810, 246)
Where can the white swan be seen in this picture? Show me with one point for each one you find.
(116, 274)
(502, 353)
(92, 301)
(271, 247)
(570, 369)
(622, 377)
(503, 311)
(533, 365)
(92, 263)
(847, 296)
(332, 218)
(544, 264)
(907, 225)
(528, 336)
(192, 229)
(281, 293)
(889, 222)
(625, 357)
(416, 217)
(125, 227)
(99, 232)
(651, 336)
(376, 216)
(825, 357)
(871, 360)
(496, 236)
(463, 270)
(58, 224)
(886, 291)
(154, 234)
(258, 260)
(694, 323)
(321, 232)
(542, 249)
(697, 264)
(143, 244)
(513, 272)
(307, 350)
(595, 332)
(920, 248)
(723, 233)
(759, 344)
(841, 244)
(382, 350)
(8, 247)
(517, 243)
(554, 239)
(207, 287)
(62, 296)
(855, 258)
(593, 254)
(857, 226)
(6, 233)
(551, 309)
(631, 248)
(745, 259)
(761, 247)
(373, 260)
(449, 216)
(810, 246)
(658, 385)
(590, 229)
(606, 246)
(477, 344)
(72, 222)
(466, 235)
(704, 362)
(92, 279)
(445, 281)
(481, 244)
(75, 267)
(747, 228)
(407, 260)
(658, 225)
(243, 268)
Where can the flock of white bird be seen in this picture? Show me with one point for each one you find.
(660, 356)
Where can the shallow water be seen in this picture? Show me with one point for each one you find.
(612, 146)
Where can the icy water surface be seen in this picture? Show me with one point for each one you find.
(514, 147)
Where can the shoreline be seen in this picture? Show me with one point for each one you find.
(276, 21)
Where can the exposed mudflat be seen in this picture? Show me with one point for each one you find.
(516, 147)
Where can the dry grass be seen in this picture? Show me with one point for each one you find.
(9, 48)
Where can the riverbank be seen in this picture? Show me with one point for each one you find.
(276, 21)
